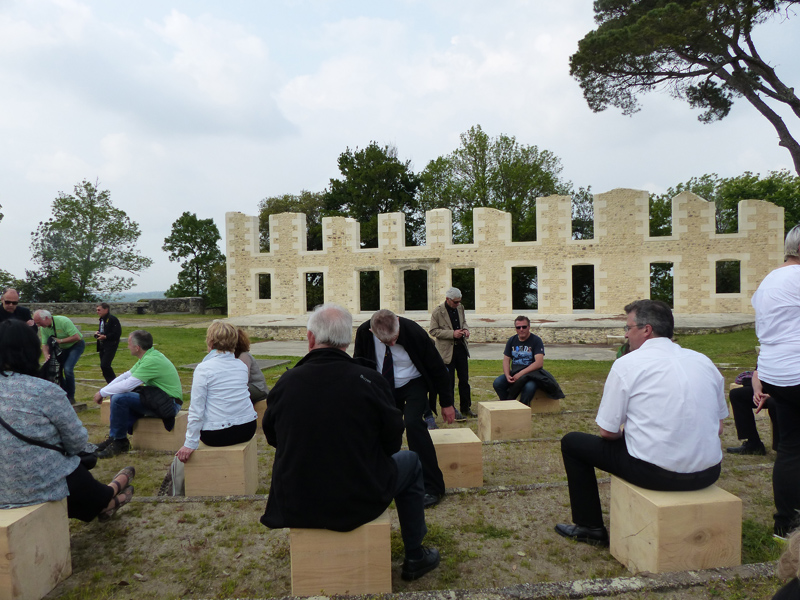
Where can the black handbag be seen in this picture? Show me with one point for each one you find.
(88, 459)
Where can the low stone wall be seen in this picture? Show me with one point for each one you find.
(194, 306)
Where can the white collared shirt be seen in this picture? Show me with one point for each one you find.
(404, 369)
(671, 401)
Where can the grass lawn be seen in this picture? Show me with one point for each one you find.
(489, 537)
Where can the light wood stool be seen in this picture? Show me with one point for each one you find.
(542, 403)
(333, 562)
(105, 411)
(503, 420)
(663, 532)
(459, 454)
(34, 550)
(222, 470)
(149, 433)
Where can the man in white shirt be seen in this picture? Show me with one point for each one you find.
(671, 404)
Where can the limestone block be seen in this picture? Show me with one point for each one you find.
(34, 550)
(332, 562)
(105, 411)
(149, 433)
(542, 403)
(460, 458)
(222, 470)
(674, 531)
(503, 420)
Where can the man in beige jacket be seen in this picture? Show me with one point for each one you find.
(451, 334)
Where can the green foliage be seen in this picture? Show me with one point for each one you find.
(85, 240)
(375, 181)
(583, 214)
(491, 172)
(700, 51)
(310, 203)
(662, 283)
(194, 242)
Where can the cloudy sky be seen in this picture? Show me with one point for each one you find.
(211, 106)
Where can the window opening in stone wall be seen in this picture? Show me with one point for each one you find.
(313, 231)
(415, 283)
(583, 287)
(369, 291)
(464, 280)
(583, 215)
(315, 290)
(662, 282)
(524, 288)
(264, 286)
(660, 215)
(728, 277)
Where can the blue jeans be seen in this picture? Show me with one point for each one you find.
(408, 498)
(126, 409)
(501, 387)
(67, 360)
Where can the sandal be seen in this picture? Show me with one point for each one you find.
(129, 473)
(119, 500)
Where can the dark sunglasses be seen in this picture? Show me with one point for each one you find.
(11, 302)
(521, 326)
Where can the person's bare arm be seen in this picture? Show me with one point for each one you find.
(608, 435)
(534, 366)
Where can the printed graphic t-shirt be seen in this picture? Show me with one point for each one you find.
(523, 353)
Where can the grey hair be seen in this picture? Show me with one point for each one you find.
(43, 314)
(453, 293)
(655, 313)
(790, 246)
(789, 563)
(384, 324)
(141, 338)
(332, 325)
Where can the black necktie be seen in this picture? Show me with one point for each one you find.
(388, 366)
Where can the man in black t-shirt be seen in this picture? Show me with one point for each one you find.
(524, 354)
(11, 308)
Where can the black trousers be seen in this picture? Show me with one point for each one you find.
(236, 434)
(460, 365)
(87, 496)
(412, 399)
(107, 351)
(583, 452)
(742, 407)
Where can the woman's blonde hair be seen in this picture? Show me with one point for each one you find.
(222, 336)
(789, 562)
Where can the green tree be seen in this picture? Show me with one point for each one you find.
(492, 172)
(194, 242)
(375, 181)
(700, 51)
(82, 244)
(306, 202)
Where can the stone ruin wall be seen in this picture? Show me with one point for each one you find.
(621, 253)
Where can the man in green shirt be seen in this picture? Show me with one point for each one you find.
(152, 388)
(70, 341)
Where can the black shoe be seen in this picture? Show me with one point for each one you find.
(104, 444)
(430, 500)
(414, 569)
(114, 448)
(597, 536)
(459, 417)
(749, 448)
(469, 413)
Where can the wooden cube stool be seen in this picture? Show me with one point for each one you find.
(503, 420)
(149, 433)
(105, 411)
(333, 562)
(542, 403)
(261, 408)
(459, 454)
(663, 532)
(34, 550)
(222, 470)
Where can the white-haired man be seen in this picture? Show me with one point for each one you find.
(404, 354)
(320, 482)
(70, 343)
(449, 329)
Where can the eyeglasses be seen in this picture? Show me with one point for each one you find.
(627, 328)
(521, 326)
(11, 302)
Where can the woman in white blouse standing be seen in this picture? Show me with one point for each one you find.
(220, 413)
(777, 306)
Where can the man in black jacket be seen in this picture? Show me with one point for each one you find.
(107, 336)
(337, 435)
(404, 353)
(11, 308)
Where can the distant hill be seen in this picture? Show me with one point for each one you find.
(134, 296)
